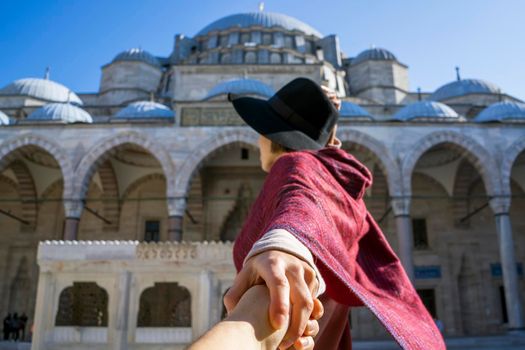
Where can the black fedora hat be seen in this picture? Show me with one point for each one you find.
(298, 116)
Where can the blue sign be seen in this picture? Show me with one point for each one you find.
(495, 269)
(427, 272)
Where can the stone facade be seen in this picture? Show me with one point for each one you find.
(448, 194)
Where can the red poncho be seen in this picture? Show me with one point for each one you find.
(318, 197)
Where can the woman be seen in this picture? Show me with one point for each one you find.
(309, 229)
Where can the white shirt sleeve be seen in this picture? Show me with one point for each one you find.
(279, 239)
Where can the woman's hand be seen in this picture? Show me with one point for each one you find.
(332, 96)
(289, 280)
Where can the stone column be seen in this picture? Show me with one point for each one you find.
(73, 211)
(120, 312)
(44, 318)
(401, 209)
(176, 209)
(501, 206)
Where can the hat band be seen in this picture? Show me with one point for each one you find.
(290, 116)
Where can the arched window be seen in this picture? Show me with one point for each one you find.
(267, 39)
(275, 58)
(223, 40)
(289, 42)
(84, 304)
(245, 37)
(226, 58)
(250, 57)
(165, 305)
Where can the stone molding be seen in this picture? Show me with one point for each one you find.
(9, 146)
(97, 154)
(508, 159)
(476, 153)
(385, 159)
(193, 162)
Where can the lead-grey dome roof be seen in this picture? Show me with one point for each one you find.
(4, 119)
(263, 19)
(145, 109)
(42, 89)
(502, 111)
(65, 112)
(464, 87)
(241, 86)
(374, 54)
(427, 111)
(137, 54)
(353, 111)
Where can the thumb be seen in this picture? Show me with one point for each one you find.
(240, 285)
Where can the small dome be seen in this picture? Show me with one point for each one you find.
(241, 86)
(502, 111)
(42, 89)
(464, 87)
(64, 112)
(136, 54)
(374, 54)
(4, 119)
(354, 111)
(145, 109)
(427, 111)
(261, 19)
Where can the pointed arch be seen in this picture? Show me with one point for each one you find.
(100, 153)
(8, 153)
(480, 158)
(385, 160)
(201, 152)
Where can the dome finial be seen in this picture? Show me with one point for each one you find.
(261, 6)
(152, 96)
(458, 76)
(418, 93)
(48, 71)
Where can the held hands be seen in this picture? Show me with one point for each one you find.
(289, 280)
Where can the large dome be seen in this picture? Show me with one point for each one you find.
(136, 54)
(464, 87)
(374, 54)
(145, 109)
(241, 86)
(427, 110)
(42, 89)
(502, 111)
(263, 19)
(64, 112)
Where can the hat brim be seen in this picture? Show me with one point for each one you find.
(258, 114)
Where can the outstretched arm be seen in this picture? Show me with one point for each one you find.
(248, 327)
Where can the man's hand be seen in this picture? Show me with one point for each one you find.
(289, 280)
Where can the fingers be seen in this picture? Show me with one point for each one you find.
(277, 283)
(318, 310)
(240, 285)
(304, 343)
(302, 306)
(312, 328)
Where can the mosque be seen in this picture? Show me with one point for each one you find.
(117, 207)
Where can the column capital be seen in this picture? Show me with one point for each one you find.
(73, 208)
(401, 205)
(177, 206)
(500, 204)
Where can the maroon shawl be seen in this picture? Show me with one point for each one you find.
(318, 197)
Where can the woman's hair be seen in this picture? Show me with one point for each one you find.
(278, 148)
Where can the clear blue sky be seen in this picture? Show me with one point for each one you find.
(486, 38)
